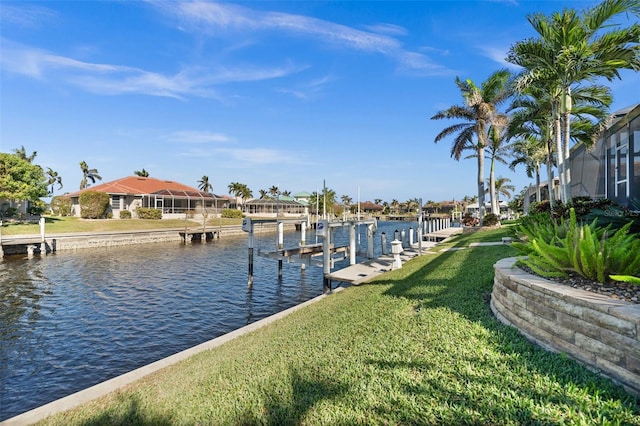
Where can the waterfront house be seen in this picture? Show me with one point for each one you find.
(611, 168)
(276, 207)
(174, 199)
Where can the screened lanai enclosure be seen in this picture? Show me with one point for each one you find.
(181, 202)
(274, 207)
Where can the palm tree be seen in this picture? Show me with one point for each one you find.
(88, 175)
(533, 125)
(377, 201)
(204, 184)
(394, 206)
(478, 113)
(274, 191)
(240, 191)
(346, 200)
(263, 194)
(286, 193)
(496, 150)
(53, 178)
(141, 173)
(570, 50)
(503, 187)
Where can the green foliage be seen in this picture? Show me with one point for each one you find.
(125, 214)
(93, 204)
(490, 219)
(21, 180)
(148, 213)
(9, 212)
(37, 208)
(61, 205)
(616, 217)
(558, 248)
(231, 214)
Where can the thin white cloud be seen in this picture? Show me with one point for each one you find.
(110, 79)
(498, 55)
(257, 156)
(389, 29)
(196, 137)
(223, 18)
(26, 15)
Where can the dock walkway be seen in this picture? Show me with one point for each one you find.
(366, 271)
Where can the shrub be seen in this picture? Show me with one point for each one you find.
(61, 205)
(490, 219)
(558, 248)
(469, 220)
(125, 214)
(10, 212)
(93, 204)
(37, 209)
(231, 214)
(148, 213)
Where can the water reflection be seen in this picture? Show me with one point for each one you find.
(76, 318)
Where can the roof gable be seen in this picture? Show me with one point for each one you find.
(138, 185)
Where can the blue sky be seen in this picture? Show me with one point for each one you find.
(263, 93)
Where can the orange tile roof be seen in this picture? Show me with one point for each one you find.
(138, 185)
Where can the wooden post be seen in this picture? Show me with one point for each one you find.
(247, 226)
(43, 245)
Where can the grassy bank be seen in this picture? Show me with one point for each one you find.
(418, 345)
(59, 225)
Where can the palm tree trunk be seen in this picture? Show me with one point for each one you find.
(557, 135)
(481, 184)
(566, 154)
(492, 188)
(538, 195)
(550, 174)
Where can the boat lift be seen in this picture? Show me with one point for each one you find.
(307, 253)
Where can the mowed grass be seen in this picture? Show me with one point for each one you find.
(418, 345)
(60, 225)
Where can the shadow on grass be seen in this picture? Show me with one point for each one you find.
(461, 281)
(290, 409)
(135, 414)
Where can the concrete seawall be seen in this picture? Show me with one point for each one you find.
(29, 244)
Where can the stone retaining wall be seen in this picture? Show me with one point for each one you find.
(600, 332)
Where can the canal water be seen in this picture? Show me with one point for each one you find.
(73, 319)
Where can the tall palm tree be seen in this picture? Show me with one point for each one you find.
(570, 50)
(496, 150)
(263, 194)
(141, 173)
(286, 193)
(88, 175)
(53, 178)
(478, 113)
(204, 184)
(377, 201)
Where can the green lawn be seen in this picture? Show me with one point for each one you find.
(56, 225)
(418, 345)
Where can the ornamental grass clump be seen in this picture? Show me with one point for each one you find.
(560, 248)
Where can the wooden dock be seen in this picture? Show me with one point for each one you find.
(366, 271)
(196, 235)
